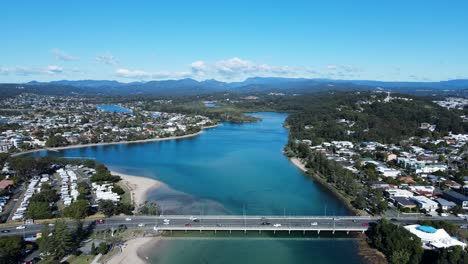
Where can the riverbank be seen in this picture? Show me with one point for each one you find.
(369, 254)
(114, 143)
(346, 200)
(133, 251)
(139, 187)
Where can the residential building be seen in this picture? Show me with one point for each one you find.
(444, 204)
(425, 203)
(457, 198)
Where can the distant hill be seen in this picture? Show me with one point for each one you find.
(250, 85)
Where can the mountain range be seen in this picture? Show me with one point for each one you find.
(250, 85)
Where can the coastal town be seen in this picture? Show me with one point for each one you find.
(31, 122)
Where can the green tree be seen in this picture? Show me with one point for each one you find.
(55, 141)
(39, 210)
(102, 248)
(77, 210)
(150, 208)
(107, 207)
(10, 249)
(94, 251)
(117, 189)
(398, 244)
(63, 240)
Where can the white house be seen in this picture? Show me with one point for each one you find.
(434, 238)
(425, 203)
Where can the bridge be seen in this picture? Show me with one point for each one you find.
(230, 223)
(263, 223)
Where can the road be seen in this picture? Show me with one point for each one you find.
(232, 223)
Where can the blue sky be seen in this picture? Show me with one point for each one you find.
(150, 40)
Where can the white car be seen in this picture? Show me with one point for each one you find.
(141, 225)
(277, 225)
(51, 224)
(128, 219)
(20, 227)
(314, 223)
(444, 214)
(192, 218)
(166, 221)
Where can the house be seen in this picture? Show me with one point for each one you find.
(403, 202)
(378, 185)
(423, 190)
(444, 204)
(452, 184)
(431, 168)
(407, 180)
(398, 193)
(425, 203)
(457, 198)
(387, 172)
(391, 156)
(6, 184)
(432, 238)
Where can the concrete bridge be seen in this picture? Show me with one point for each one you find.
(231, 223)
(263, 223)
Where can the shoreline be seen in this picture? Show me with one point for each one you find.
(131, 253)
(368, 254)
(139, 187)
(114, 143)
(300, 165)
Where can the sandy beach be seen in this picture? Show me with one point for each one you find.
(139, 186)
(130, 254)
(115, 143)
(298, 163)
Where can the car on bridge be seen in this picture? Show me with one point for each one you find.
(188, 225)
(313, 223)
(277, 225)
(20, 227)
(365, 224)
(5, 231)
(128, 219)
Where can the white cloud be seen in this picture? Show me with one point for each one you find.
(27, 71)
(107, 58)
(198, 67)
(144, 75)
(19, 70)
(54, 69)
(62, 55)
(237, 69)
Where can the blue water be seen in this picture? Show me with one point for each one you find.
(210, 105)
(115, 109)
(230, 169)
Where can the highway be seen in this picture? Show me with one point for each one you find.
(229, 223)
